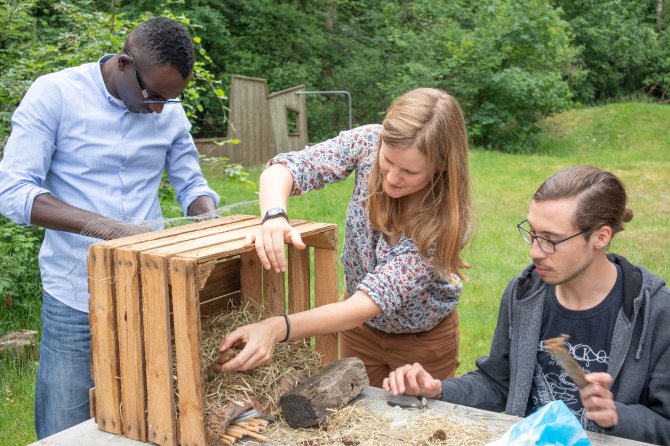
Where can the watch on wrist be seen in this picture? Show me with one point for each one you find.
(274, 213)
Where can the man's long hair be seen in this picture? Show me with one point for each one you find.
(432, 121)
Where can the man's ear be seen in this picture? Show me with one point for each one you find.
(123, 62)
(602, 237)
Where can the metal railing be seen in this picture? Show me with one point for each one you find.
(332, 92)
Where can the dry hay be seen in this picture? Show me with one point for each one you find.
(262, 384)
(355, 425)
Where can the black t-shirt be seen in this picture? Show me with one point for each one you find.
(590, 334)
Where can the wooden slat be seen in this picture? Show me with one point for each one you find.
(219, 238)
(161, 411)
(187, 332)
(170, 232)
(325, 292)
(131, 348)
(234, 246)
(104, 349)
(172, 244)
(274, 294)
(326, 239)
(251, 277)
(298, 279)
(91, 403)
(224, 279)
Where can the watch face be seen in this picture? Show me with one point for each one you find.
(274, 213)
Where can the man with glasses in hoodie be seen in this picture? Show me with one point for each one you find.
(615, 314)
(87, 143)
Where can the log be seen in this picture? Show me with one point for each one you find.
(21, 344)
(312, 400)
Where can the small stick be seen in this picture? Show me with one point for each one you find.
(233, 433)
(246, 432)
(229, 438)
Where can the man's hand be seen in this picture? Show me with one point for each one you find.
(413, 380)
(599, 401)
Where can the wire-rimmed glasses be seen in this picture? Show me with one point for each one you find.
(546, 245)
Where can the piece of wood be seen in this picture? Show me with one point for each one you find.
(104, 348)
(235, 243)
(326, 292)
(223, 279)
(187, 330)
(21, 344)
(298, 279)
(251, 277)
(131, 347)
(274, 293)
(91, 402)
(161, 410)
(156, 236)
(309, 403)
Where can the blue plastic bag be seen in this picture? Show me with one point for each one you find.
(554, 424)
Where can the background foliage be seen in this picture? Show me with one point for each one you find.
(509, 62)
(512, 64)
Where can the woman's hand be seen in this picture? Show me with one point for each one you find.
(269, 241)
(259, 341)
(413, 380)
(598, 400)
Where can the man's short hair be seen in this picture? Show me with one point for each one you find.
(162, 41)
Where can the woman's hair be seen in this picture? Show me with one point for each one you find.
(432, 121)
(601, 197)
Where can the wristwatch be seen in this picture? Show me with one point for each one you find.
(274, 213)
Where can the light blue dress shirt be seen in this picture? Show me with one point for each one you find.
(72, 139)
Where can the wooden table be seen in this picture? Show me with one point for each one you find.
(87, 433)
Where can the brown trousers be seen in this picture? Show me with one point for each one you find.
(436, 349)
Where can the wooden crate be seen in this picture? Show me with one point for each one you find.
(150, 292)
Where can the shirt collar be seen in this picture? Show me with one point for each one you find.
(118, 103)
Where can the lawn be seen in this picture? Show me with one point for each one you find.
(630, 139)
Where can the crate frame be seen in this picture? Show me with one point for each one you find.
(150, 290)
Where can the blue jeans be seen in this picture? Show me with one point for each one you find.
(64, 374)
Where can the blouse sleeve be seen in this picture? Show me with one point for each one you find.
(330, 161)
(407, 276)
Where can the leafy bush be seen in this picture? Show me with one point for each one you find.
(19, 247)
(619, 45)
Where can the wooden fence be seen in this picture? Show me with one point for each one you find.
(266, 124)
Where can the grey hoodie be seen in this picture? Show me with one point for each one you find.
(640, 355)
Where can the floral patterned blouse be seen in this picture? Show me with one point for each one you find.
(413, 296)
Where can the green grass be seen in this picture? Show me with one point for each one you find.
(17, 387)
(630, 139)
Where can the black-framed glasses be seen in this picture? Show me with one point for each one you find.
(546, 245)
(148, 99)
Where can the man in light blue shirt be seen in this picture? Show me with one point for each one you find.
(89, 142)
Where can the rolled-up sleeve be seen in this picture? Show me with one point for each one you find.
(182, 165)
(330, 161)
(27, 154)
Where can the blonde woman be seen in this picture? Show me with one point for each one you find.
(407, 222)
